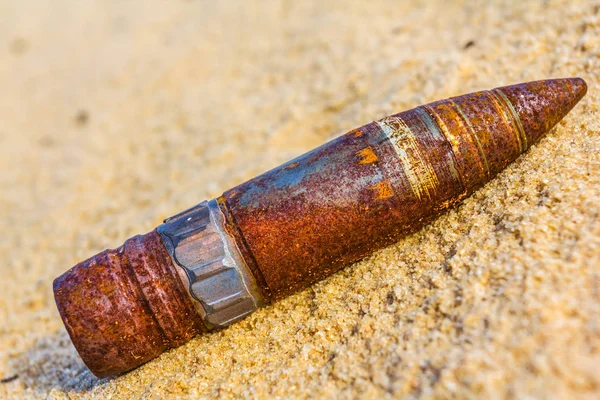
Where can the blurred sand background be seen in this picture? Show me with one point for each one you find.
(117, 114)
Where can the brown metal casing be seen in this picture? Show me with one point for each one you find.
(296, 224)
(312, 216)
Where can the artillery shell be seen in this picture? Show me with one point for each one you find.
(276, 234)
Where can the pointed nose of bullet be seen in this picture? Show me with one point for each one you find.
(542, 104)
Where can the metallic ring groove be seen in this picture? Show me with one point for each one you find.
(218, 279)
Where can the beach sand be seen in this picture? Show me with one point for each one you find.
(115, 115)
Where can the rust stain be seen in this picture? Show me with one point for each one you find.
(356, 132)
(367, 156)
(383, 190)
(291, 166)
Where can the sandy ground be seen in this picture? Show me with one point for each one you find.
(115, 115)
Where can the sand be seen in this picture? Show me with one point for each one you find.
(115, 115)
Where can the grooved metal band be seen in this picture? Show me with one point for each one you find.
(219, 280)
(419, 172)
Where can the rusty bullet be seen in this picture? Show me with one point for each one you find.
(276, 234)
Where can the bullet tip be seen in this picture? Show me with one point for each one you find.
(581, 87)
(540, 105)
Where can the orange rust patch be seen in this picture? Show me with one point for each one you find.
(292, 165)
(383, 190)
(367, 156)
(356, 133)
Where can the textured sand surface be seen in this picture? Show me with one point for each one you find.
(115, 115)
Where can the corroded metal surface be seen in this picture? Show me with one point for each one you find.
(126, 306)
(299, 223)
(218, 277)
(364, 190)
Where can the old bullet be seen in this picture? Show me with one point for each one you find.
(276, 234)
